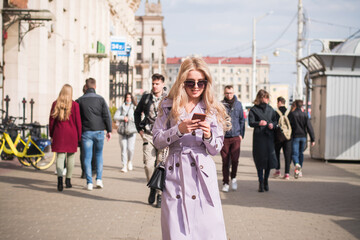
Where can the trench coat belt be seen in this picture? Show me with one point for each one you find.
(200, 175)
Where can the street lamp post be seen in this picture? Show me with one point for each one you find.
(128, 51)
(253, 94)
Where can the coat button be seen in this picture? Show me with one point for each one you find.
(177, 164)
(168, 139)
(193, 133)
(193, 197)
(201, 166)
(192, 164)
(170, 168)
(178, 196)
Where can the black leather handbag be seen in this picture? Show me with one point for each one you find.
(157, 180)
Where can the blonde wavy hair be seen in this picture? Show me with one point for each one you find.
(180, 98)
(63, 105)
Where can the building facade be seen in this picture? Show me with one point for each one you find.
(235, 71)
(150, 47)
(70, 47)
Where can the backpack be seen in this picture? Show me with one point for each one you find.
(283, 131)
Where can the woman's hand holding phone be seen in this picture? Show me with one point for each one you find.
(188, 125)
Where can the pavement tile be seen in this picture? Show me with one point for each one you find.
(324, 204)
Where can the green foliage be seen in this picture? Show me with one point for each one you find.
(112, 112)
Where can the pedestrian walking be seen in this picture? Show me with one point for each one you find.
(93, 160)
(191, 207)
(301, 126)
(127, 131)
(280, 141)
(148, 107)
(95, 118)
(65, 133)
(230, 152)
(262, 118)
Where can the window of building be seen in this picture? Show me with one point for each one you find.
(247, 88)
(138, 56)
(239, 79)
(247, 96)
(170, 79)
(239, 88)
(170, 70)
(153, 42)
(231, 79)
(247, 80)
(231, 70)
(138, 70)
(223, 79)
(265, 88)
(247, 70)
(139, 42)
(153, 56)
(239, 71)
(138, 84)
(223, 70)
(152, 29)
(264, 80)
(177, 70)
(215, 70)
(239, 96)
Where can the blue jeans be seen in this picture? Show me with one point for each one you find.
(298, 146)
(90, 139)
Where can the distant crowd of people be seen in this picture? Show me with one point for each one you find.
(173, 133)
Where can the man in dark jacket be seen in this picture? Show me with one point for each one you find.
(95, 118)
(233, 137)
(301, 126)
(285, 145)
(148, 106)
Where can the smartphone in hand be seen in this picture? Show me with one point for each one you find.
(200, 116)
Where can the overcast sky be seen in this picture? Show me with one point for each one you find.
(224, 28)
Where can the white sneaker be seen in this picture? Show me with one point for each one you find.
(99, 183)
(233, 184)
(130, 166)
(89, 186)
(124, 169)
(225, 187)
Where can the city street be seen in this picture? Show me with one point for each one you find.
(324, 204)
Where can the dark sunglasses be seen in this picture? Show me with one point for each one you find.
(192, 83)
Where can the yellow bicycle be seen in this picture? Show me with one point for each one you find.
(35, 152)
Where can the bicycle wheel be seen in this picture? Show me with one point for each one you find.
(24, 161)
(43, 162)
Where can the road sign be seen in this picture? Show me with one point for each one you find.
(118, 45)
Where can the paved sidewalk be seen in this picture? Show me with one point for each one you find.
(324, 204)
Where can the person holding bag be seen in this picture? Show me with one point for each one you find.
(191, 123)
(126, 130)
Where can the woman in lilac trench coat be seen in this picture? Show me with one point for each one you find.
(191, 206)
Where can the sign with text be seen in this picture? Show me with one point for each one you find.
(118, 45)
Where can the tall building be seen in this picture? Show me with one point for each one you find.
(235, 71)
(49, 43)
(150, 47)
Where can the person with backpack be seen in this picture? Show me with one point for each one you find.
(301, 126)
(145, 115)
(282, 138)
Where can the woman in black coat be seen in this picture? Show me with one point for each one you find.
(262, 118)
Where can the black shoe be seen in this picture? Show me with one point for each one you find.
(152, 194)
(82, 175)
(68, 183)
(158, 202)
(261, 186)
(60, 184)
(266, 185)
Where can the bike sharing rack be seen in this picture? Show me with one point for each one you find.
(32, 102)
